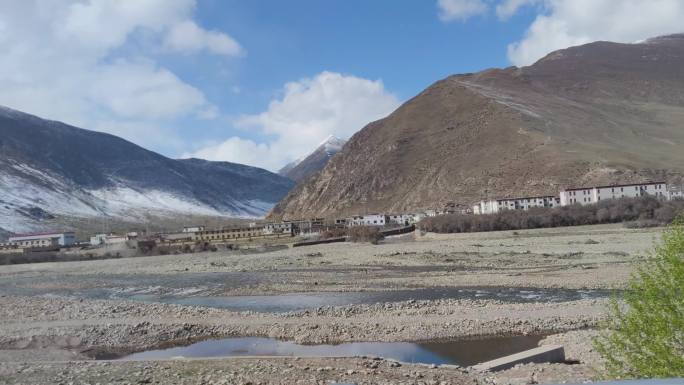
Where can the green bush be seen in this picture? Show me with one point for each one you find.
(644, 335)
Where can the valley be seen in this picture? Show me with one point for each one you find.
(553, 283)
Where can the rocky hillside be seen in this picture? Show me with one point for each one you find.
(52, 169)
(301, 169)
(598, 113)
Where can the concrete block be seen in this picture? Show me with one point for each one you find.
(543, 354)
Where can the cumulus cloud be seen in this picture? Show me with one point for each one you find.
(66, 60)
(564, 23)
(460, 9)
(308, 111)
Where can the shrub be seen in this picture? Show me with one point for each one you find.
(644, 336)
(645, 210)
(365, 234)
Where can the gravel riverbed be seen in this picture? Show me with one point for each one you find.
(50, 331)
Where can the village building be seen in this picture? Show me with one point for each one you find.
(367, 220)
(404, 219)
(307, 226)
(107, 239)
(274, 228)
(497, 205)
(47, 239)
(228, 234)
(589, 195)
(193, 229)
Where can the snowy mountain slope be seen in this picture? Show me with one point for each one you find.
(49, 168)
(302, 168)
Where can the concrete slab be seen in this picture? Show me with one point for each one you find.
(542, 354)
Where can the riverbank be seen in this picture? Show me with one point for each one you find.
(49, 314)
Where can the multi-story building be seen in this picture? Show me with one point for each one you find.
(589, 195)
(367, 220)
(47, 239)
(278, 228)
(496, 205)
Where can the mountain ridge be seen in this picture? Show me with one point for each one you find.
(66, 170)
(597, 113)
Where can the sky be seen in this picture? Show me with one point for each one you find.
(263, 82)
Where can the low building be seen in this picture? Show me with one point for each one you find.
(229, 234)
(404, 219)
(47, 239)
(497, 205)
(107, 239)
(193, 229)
(590, 195)
(367, 220)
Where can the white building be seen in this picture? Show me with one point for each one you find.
(368, 220)
(43, 239)
(496, 205)
(107, 239)
(404, 219)
(278, 228)
(589, 195)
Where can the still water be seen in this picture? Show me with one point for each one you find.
(303, 301)
(462, 353)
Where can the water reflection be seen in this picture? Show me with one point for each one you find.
(462, 353)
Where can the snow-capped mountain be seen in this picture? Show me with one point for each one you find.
(302, 168)
(48, 168)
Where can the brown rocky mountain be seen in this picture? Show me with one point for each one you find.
(594, 114)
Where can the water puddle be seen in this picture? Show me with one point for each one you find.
(304, 301)
(464, 353)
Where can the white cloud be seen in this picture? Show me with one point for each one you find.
(67, 60)
(460, 9)
(188, 37)
(238, 150)
(308, 112)
(508, 8)
(565, 23)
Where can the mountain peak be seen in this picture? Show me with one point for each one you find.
(302, 168)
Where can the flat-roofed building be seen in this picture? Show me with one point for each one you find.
(367, 220)
(404, 219)
(493, 206)
(278, 228)
(229, 234)
(46, 239)
(590, 195)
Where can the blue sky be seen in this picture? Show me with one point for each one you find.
(262, 82)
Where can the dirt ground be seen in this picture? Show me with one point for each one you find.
(50, 329)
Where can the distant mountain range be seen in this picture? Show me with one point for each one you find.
(599, 113)
(301, 169)
(48, 169)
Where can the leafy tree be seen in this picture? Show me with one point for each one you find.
(644, 335)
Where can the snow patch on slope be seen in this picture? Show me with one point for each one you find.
(26, 187)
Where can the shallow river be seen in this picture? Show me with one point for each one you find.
(462, 353)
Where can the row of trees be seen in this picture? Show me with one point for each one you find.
(642, 211)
